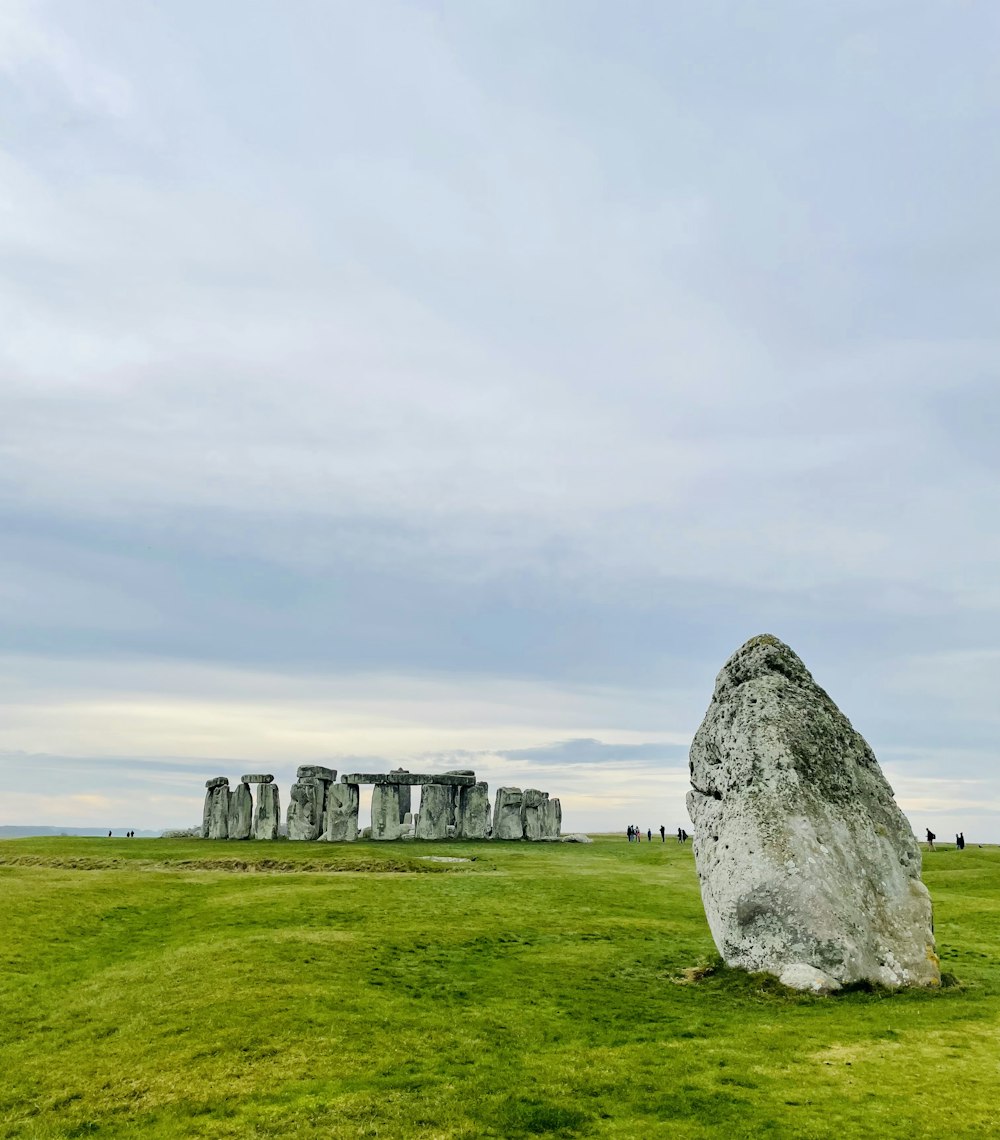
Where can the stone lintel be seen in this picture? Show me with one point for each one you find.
(257, 778)
(406, 778)
(217, 782)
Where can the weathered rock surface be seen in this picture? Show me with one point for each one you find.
(316, 772)
(385, 812)
(215, 816)
(473, 812)
(240, 812)
(507, 823)
(432, 819)
(551, 818)
(414, 779)
(257, 778)
(267, 813)
(533, 813)
(804, 858)
(340, 823)
(405, 794)
(808, 978)
(306, 803)
(575, 837)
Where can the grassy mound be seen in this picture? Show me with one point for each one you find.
(541, 990)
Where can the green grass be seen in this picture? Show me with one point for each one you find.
(162, 988)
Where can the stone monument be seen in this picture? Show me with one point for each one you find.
(808, 868)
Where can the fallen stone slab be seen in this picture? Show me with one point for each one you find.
(257, 778)
(804, 858)
(575, 837)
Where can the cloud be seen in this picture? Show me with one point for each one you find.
(428, 380)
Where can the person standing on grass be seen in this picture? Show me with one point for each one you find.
(649, 835)
(930, 839)
(629, 833)
(663, 834)
(961, 841)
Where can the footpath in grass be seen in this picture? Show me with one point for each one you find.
(165, 988)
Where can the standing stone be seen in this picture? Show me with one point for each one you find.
(267, 815)
(551, 818)
(306, 801)
(215, 817)
(405, 794)
(341, 819)
(507, 814)
(386, 817)
(240, 812)
(432, 820)
(533, 813)
(808, 868)
(474, 812)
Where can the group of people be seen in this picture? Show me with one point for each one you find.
(959, 840)
(634, 834)
(128, 834)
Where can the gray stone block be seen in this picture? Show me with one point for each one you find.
(257, 778)
(432, 820)
(306, 804)
(316, 772)
(507, 821)
(240, 812)
(804, 858)
(341, 817)
(267, 814)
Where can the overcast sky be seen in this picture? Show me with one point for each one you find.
(440, 382)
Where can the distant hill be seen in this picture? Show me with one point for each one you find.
(16, 831)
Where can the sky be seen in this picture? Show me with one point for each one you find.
(458, 385)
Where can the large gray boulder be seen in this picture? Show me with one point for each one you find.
(240, 811)
(306, 803)
(316, 772)
(473, 812)
(804, 858)
(267, 814)
(340, 823)
(435, 806)
(507, 821)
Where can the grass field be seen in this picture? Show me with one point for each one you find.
(161, 988)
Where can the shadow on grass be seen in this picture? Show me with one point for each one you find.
(716, 976)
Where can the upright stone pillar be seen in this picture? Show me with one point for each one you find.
(341, 819)
(215, 817)
(474, 812)
(435, 803)
(533, 813)
(507, 823)
(551, 819)
(453, 803)
(267, 815)
(240, 811)
(386, 822)
(405, 795)
(306, 801)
